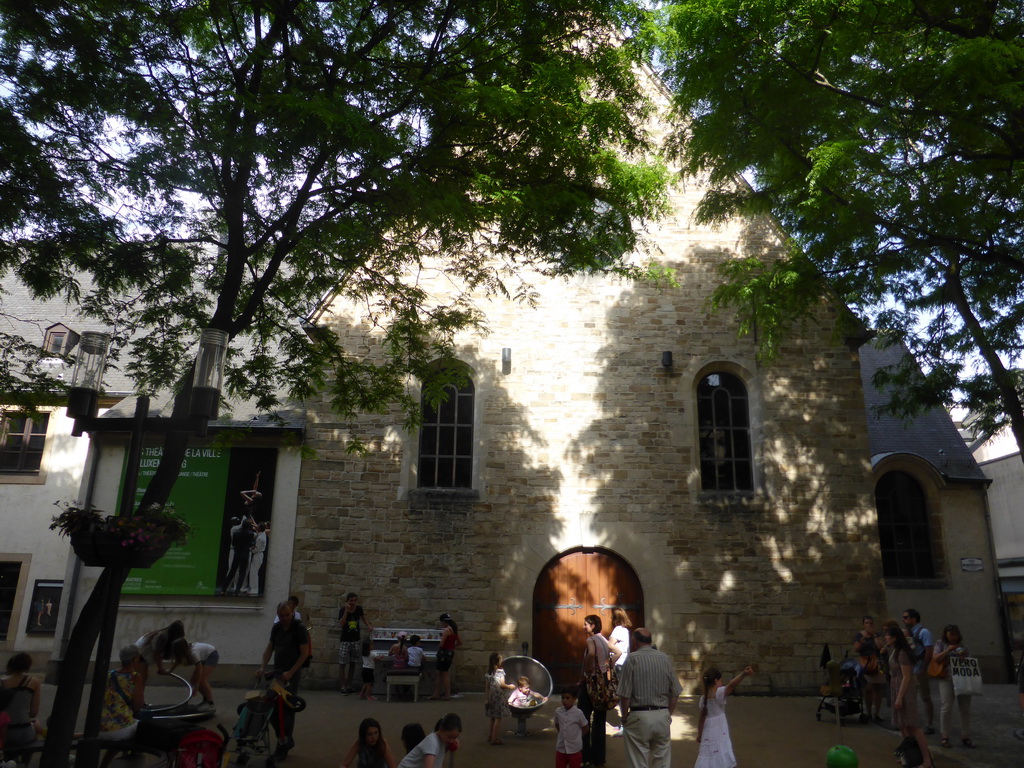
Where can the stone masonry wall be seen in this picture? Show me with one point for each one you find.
(590, 442)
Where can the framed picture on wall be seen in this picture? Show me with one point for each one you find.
(42, 611)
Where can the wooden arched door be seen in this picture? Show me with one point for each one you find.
(573, 586)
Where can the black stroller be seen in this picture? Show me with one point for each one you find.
(850, 700)
(254, 726)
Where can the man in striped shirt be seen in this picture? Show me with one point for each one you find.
(648, 692)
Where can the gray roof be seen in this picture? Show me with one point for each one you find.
(23, 315)
(932, 435)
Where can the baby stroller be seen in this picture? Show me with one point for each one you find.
(849, 701)
(254, 726)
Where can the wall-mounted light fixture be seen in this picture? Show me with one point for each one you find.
(506, 361)
(666, 359)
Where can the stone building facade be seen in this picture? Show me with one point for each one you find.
(586, 486)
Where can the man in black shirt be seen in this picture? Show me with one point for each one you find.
(289, 645)
(349, 652)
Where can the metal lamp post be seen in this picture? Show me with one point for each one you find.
(83, 402)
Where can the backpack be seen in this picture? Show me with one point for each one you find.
(916, 646)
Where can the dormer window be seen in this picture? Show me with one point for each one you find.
(59, 340)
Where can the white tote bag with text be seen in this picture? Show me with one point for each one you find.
(966, 675)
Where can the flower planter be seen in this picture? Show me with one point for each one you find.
(103, 549)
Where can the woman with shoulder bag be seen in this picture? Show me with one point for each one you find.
(951, 644)
(597, 660)
(866, 647)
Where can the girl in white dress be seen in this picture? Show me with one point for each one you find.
(712, 728)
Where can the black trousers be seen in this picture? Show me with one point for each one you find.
(594, 742)
(239, 568)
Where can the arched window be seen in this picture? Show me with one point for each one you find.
(446, 439)
(903, 528)
(723, 417)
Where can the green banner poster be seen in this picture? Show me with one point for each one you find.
(208, 494)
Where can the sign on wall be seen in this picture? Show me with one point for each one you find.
(226, 495)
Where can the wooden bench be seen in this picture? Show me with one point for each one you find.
(408, 680)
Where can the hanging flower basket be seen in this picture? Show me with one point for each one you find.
(125, 542)
(107, 549)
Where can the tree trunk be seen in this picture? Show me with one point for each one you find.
(1004, 381)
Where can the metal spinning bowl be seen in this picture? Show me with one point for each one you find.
(177, 710)
(540, 680)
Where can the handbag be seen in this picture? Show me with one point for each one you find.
(966, 675)
(602, 688)
(936, 669)
(869, 664)
(909, 753)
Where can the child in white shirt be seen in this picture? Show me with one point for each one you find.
(572, 726)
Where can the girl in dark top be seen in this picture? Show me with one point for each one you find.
(865, 645)
(370, 750)
(23, 708)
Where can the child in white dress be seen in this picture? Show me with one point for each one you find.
(715, 749)
(495, 687)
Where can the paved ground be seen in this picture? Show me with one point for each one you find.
(768, 732)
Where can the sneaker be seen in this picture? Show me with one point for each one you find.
(617, 733)
(8, 764)
(371, 698)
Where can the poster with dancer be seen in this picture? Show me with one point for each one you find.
(217, 489)
(42, 614)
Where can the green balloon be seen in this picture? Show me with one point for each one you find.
(841, 757)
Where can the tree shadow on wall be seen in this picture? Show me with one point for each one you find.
(758, 578)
